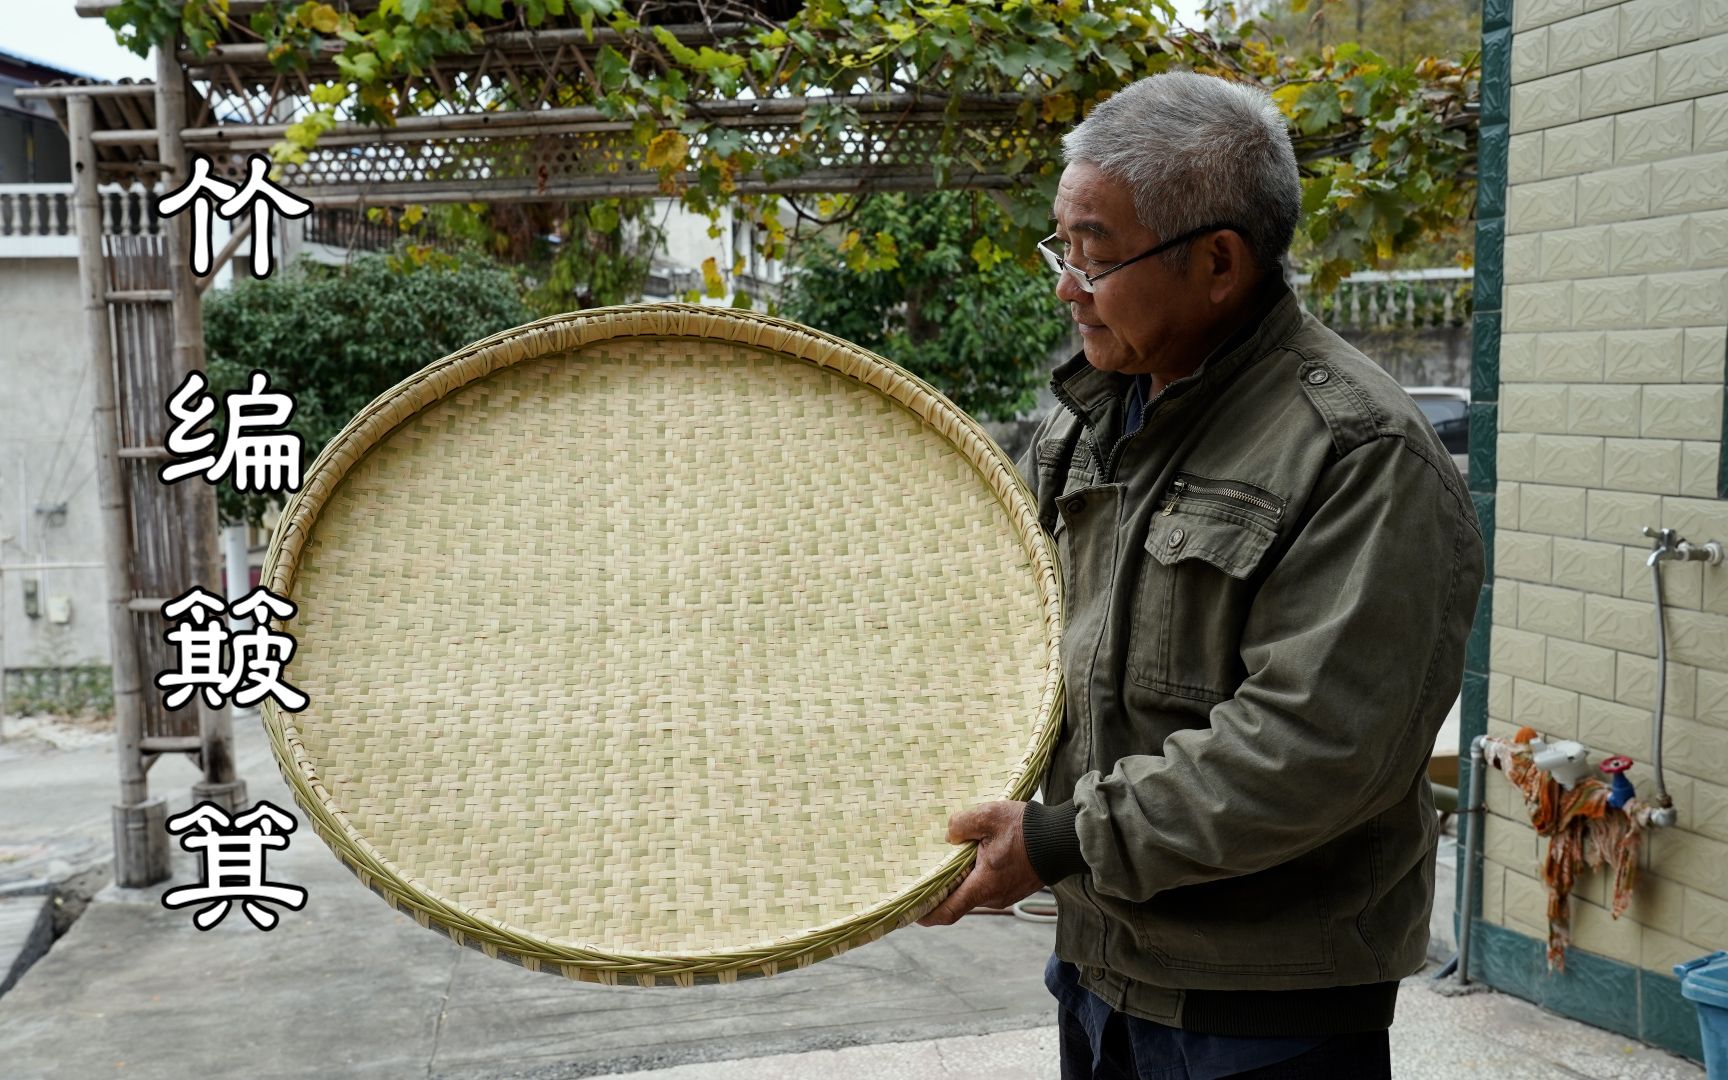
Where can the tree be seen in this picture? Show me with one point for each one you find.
(1388, 148)
(1406, 34)
(1375, 190)
(918, 279)
(571, 255)
(1403, 31)
(335, 338)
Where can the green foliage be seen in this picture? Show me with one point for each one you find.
(60, 691)
(1414, 207)
(570, 255)
(337, 337)
(140, 24)
(1403, 31)
(603, 256)
(1382, 176)
(930, 292)
(1402, 140)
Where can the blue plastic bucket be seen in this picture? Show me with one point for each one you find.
(1704, 982)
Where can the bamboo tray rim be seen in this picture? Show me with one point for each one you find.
(568, 334)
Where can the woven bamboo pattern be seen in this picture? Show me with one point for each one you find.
(654, 645)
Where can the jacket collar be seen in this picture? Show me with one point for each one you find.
(1276, 315)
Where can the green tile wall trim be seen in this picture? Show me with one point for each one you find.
(1483, 437)
(1505, 960)
(1476, 646)
(1490, 241)
(1473, 708)
(1594, 989)
(1605, 993)
(1475, 694)
(1483, 502)
(1492, 173)
(1473, 721)
(1666, 1018)
(1496, 77)
(1491, 153)
(1485, 357)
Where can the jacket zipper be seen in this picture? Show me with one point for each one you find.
(1147, 410)
(1108, 474)
(1073, 406)
(1116, 451)
(1180, 487)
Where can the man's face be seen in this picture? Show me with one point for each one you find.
(1142, 318)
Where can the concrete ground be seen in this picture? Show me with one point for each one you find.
(350, 988)
(1435, 1038)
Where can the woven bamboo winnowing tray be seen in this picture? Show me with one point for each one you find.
(656, 644)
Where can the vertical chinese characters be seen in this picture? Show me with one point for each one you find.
(214, 661)
(244, 665)
(206, 195)
(233, 861)
(260, 454)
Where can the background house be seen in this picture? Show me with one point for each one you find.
(53, 629)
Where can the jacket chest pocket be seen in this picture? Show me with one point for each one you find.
(1196, 583)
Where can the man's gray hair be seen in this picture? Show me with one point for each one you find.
(1197, 150)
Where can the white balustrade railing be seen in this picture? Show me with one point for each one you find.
(1392, 300)
(37, 220)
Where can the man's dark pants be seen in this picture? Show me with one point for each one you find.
(1162, 1054)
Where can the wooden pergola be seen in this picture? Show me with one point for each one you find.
(498, 132)
(468, 146)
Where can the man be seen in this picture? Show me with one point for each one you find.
(1271, 567)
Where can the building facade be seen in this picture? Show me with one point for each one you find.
(54, 650)
(1601, 316)
(53, 627)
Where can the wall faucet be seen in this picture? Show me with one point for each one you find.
(1670, 546)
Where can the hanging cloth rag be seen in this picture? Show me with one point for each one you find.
(1582, 833)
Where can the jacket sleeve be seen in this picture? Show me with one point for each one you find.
(1354, 651)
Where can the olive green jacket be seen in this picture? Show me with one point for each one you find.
(1267, 593)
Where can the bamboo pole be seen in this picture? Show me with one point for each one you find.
(140, 838)
(236, 237)
(215, 728)
(49, 93)
(646, 186)
(585, 118)
(110, 488)
(143, 137)
(529, 43)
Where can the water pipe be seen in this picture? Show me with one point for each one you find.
(1473, 823)
(1471, 812)
(1669, 546)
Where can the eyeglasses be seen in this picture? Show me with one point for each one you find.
(1089, 282)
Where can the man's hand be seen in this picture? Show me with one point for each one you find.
(1002, 873)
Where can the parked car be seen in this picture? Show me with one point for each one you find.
(1448, 409)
